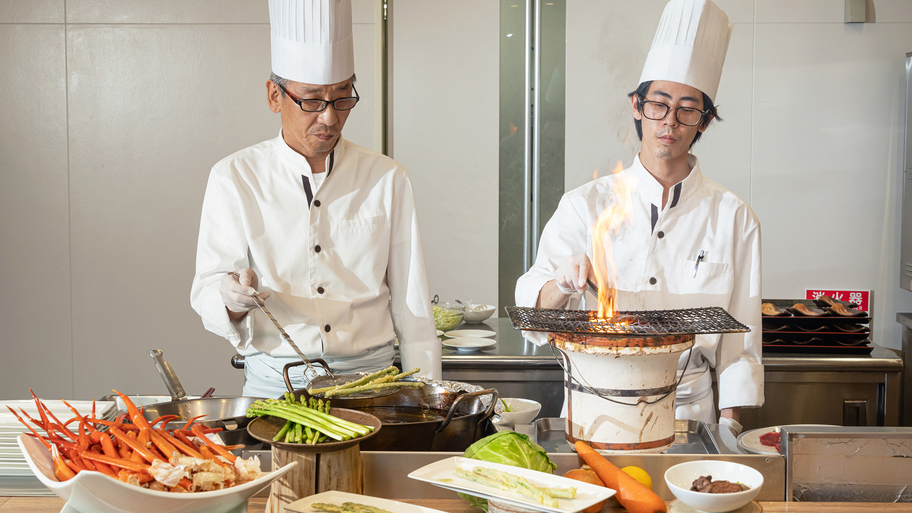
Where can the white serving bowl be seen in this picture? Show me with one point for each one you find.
(522, 411)
(478, 313)
(98, 493)
(680, 478)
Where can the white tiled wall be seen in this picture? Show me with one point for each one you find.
(812, 138)
(111, 115)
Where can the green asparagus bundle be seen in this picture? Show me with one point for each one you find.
(518, 484)
(307, 423)
(386, 378)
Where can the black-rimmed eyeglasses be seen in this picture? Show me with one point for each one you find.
(657, 111)
(347, 103)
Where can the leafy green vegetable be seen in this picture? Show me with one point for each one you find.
(506, 407)
(446, 319)
(508, 448)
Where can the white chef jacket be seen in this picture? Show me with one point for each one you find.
(343, 262)
(656, 254)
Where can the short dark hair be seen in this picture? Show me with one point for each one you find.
(284, 81)
(708, 106)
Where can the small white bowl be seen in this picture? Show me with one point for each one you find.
(522, 411)
(478, 313)
(680, 478)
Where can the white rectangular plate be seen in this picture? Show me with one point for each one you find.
(441, 474)
(334, 497)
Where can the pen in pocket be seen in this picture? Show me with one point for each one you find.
(699, 258)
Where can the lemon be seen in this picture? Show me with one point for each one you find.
(640, 475)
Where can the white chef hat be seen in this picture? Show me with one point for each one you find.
(689, 46)
(312, 40)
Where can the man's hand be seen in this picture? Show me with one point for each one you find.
(571, 276)
(238, 294)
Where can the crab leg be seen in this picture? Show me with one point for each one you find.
(40, 407)
(108, 446)
(135, 415)
(61, 470)
(137, 445)
(209, 455)
(115, 462)
(189, 450)
(100, 466)
(191, 421)
(164, 419)
(218, 449)
(163, 445)
(43, 440)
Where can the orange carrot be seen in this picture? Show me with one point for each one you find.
(630, 492)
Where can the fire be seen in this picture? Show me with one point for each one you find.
(610, 221)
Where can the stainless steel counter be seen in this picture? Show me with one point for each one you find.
(800, 388)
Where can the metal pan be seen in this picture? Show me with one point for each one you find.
(430, 418)
(228, 413)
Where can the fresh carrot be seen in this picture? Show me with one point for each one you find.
(630, 492)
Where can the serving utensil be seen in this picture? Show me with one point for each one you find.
(262, 305)
(168, 375)
(319, 380)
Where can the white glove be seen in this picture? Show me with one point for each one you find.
(570, 277)
(238, 294)
(733, 425)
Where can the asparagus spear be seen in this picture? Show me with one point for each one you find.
(315, 419)
(362, 381)
(281, 434)
(372, 386)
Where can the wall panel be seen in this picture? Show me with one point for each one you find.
(445, 117)
(35, 304)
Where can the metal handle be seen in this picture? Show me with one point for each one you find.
(452, 412)
(238, 361)
(855, 412)
(319, 361)
(167, 373)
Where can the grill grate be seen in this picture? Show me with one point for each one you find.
(691, 321)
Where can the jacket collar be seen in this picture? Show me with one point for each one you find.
(651, 189)
(298, 162)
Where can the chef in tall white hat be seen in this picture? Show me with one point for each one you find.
(690, 242)
(323, 230)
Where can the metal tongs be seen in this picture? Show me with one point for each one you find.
(260, 303)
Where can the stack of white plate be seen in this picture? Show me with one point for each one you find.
(15, 476)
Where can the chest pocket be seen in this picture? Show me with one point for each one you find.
(362, 224)
(364, 240)
(715, 279)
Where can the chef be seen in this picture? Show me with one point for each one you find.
(323, 230)
(689, 242)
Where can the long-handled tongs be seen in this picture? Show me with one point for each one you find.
(260, 303)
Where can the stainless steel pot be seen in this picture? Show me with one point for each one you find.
(430, 418)
(228, 413)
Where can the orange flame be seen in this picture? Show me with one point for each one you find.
(610, 221)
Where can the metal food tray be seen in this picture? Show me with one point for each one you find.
(691, 437)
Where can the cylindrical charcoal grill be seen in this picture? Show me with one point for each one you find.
(621, 372)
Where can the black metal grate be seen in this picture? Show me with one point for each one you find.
(691, 321)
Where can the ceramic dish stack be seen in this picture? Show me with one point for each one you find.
(16, 478)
